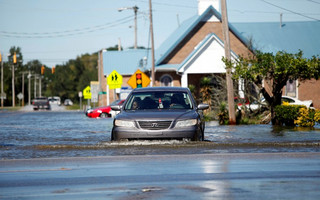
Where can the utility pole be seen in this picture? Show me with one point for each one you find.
(135, 9)
(35, 86)
(152, 46)
(40, 77)
(225, 28)
(23, 88)
(23, 73)
(29, 88)
(13, 91)
(1, 81)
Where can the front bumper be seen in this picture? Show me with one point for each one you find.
(119, 133)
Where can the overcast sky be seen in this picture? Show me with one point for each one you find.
(55, 31)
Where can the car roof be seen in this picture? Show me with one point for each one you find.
(166, 89)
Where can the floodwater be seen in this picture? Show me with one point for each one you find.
(48, 134)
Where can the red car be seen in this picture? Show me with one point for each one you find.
(103, 111)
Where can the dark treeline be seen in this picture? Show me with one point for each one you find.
(66, 81)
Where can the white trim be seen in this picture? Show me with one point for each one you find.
(184, 80)
(213, 41)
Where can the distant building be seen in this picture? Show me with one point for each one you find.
(196, 48)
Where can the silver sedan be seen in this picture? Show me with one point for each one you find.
(159, 113)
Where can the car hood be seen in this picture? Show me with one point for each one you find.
(136, 115)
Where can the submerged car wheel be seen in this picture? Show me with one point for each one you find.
(199, 136)
(112, 137)
(103, 115)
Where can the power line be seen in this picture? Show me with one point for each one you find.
(168, 4)
(290, 11)
(314, 1)
(66, 32)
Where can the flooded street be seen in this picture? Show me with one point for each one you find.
(50, 134)
(65, 155)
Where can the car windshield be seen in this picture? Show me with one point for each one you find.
(158, 100)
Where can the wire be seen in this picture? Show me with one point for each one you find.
(314, 1)
(290, 11)
(66, 32)
(167, 4)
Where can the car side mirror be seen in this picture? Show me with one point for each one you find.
(203, 106)
(116, 107)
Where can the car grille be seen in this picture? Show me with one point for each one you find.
(154, 125)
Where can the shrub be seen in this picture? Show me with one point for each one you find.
(307, 117)
(317, 116)
(223, 115)
(292, 115)
(286, 114)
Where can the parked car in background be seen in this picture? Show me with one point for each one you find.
(55, 100)
(41, 103)
(240, 102)
(288, 99)
(159, 113)
(295, 101)
(103, 111)
(68, 102)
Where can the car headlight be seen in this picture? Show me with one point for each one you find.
(184, 123)
(89, 111)
(124, 123)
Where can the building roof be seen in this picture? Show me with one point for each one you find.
(266, 37)
(290, 37)
(125, 62)
(185, 28)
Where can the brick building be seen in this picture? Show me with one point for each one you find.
(196, 48)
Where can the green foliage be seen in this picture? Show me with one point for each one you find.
(66, 82)
(223, 115)
(276, 70)
(287, 114)
(73, 77)
(291, 115)
(307, 117)
(192, 89)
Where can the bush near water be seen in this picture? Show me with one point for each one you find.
(297, 115)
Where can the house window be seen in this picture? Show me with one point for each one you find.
(291, 88)
(166, 80)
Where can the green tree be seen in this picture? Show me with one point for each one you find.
(73, 77)
(206, 91)
(276, 70)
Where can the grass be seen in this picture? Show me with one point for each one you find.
(73, 107)
(10, 108)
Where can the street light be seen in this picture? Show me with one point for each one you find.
(135, 9)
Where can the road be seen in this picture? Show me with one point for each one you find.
(54, 107)
(197, 176)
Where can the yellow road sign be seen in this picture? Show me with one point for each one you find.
(87, 93)
(114, 80)
(139, 80)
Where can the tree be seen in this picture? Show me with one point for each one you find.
(206, 91)
(275, 70)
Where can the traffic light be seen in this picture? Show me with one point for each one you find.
(0, 57)
(42, 70)
(14, 58)
(139, 80)
(53, 69)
